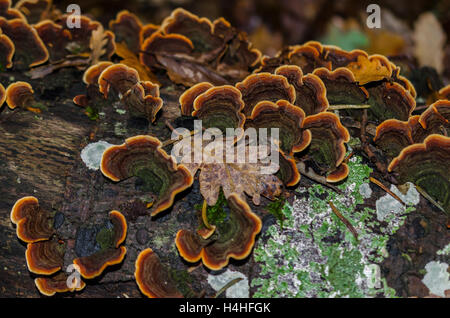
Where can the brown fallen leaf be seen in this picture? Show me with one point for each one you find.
(367, 70)
(232, 177)
(131, 60)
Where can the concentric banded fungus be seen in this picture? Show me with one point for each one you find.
(81, 36)
(34, 10)
(160, 44)
(20, 94)
(327, 145)
(143, 157)
(427, 166)
(8, 13)
(341, 86)
(198, 30)
(264, 87)
(147, 31)
(111, 252)
(444, 93)
(436, 118)
(141, 103)
(310, 90)
(55, 38)
(388, 101)
(236, 237)
(45, 257)
(7, 50)
(288, 172)
(119, 77)
(91, 75)
(29, 48)
(307, 58)
(2, 95)
(152, 277)
(33, 223)
(49, 286)
(287, 118)
(187, 98)
(127, 28)
(220, 107)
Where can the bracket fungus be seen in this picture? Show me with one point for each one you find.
(426, 165)
(55, 37)
(393, 135)
(2, 95)
(310, 90)
(220, 107)
(287, 118)
(45, 257)
(187, 99)
(153, 278)
(234, 237)
(111, 253)
(264, 87)
(58, 283)
(142, 100)
(119, 77)
(33, 223)
(34, 10)
(21, 95)
(7, 50)
(29, 48)
(127, 28)
(327, 147)
(9, 13)
(143, 157)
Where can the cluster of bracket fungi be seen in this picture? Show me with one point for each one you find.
(317, 95)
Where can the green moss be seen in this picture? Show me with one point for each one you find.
(216, 214)
(92, 113)
(276, 209)
(182, 281)
(105, 238)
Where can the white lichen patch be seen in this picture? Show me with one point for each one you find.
(365, 190)
(437, 278)
(92, 154)
(387, 205)
(238, 290)
(445, 251)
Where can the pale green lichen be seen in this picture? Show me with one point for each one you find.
(315, 255)
(237, 290)
(445, 251)
(437, 278)
(93, 152)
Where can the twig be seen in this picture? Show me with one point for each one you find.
(344, 220)
(429, 198)
(382, 186)
(338, 107)
(315, 177)
(180, 137)
(228, 285)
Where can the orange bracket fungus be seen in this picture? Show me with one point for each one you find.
(188, 97)
(287, 118)
(45, 257)
(34, 10)
(110, 239)
(2, 95)
(9, 13)
(119, 77)
(7, 50)
(55, 38)
(29, 48)
(153, 278)
(220, 107)
(426, 165)
(127, 28)
(327, 147)
(310, 90)
(393, 135)
(140, 101)
(264, 87)
(21, 95)
(49, 286)
(33, 223)
(233, 238)
(143, 157)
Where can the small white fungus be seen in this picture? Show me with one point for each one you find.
(92, 154)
